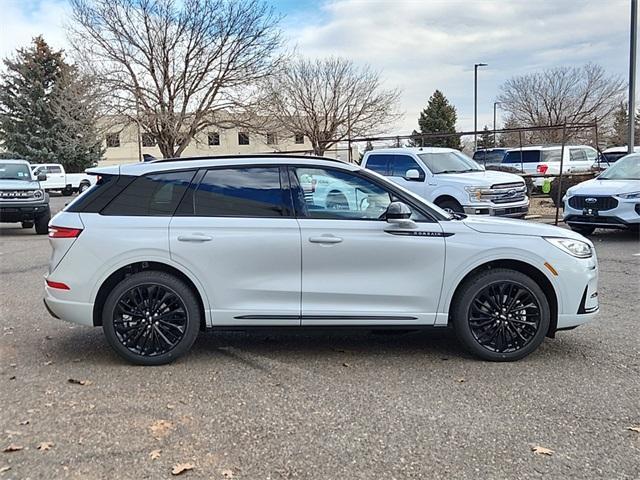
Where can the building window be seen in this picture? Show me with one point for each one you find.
(243, 138)
(113, 140)
(148, 140)
(299, 139)
(214, 139)
(272, 139)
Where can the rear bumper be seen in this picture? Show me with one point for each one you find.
(20, 212)
(75, 312)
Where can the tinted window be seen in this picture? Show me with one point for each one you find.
(378, 163)
(577, 155)
(526, 156)
(54, 169)
(399, 164)
(552, 155)
(156, 194)
(240, 192)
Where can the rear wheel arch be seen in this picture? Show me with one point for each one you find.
(112, 280)
(523, 267)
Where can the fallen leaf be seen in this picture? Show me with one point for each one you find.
(79, 382)
(180, 468)
(48, 362)
(13, 365)
(12, 377)
(460, 380)
(542, 450)
(45, 446)
(5, 469)
(227, 473)
(24, 422)
(160, 428)
(634, 429)
(345, 364)
(13, 448)
(155, 454)
(170, 407)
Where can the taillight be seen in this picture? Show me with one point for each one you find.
(64, 232)
(58, 285)
(542, 168)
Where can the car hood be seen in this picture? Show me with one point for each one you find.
(605, 187)
(509, 226)
(480, 179)
(19, 185)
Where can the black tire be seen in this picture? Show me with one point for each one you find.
(337, 201)
(83, 186)
(450, 205)
(27, 224)
(42, 224)
(477, 315)
(582, 229)
(125, 332)
(67, 191)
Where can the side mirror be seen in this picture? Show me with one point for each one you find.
(412, 175)
(399, 214)
(42, 177)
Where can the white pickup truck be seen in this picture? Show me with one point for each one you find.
(451, 180)
(61, 181)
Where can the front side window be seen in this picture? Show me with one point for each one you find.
(449, 162)
(240, 192)
(399, 164)
(156, 194)
(333, 194)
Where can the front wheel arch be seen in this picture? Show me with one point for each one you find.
(117, 276)
(522, 267)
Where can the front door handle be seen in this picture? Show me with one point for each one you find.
(195, 238)
(325, 239)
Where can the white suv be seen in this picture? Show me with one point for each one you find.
(451, 180)
(156, 252)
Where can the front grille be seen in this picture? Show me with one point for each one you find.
(508, 185)
(517, 198)
(594, 202)
(505, 193)
(20, 194)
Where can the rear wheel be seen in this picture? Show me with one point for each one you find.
(501, 315)
(67, 191)
(151, 318)
(450, 205)
(582, 229)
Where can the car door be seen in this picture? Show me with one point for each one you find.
(357, 269)
(55, 177)
(577, 160)
(399, 165)
(235, 231)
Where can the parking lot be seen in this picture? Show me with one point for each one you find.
(348, 406)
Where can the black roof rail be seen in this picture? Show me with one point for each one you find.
(248, 155)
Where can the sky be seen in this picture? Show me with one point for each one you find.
(417, 45)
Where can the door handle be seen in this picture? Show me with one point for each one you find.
(195, 238)
(327, 239)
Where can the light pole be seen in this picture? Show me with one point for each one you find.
(632, 75)
(475, 103)
(495, 104)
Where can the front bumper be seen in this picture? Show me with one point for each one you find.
(625, 215)
(24, 211)
(512, 210)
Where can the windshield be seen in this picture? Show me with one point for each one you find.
(449, 162)
(15, 171)
(627, 168)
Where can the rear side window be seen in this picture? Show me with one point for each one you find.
(378, 163)
(241, 192)
(156, 194)
(525, 156)
(399, 164)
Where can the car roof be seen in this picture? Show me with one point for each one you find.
(622, 149)
(415, 150)
(184, 163)
(13, 160)
(545, 147)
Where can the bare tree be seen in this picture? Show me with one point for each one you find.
(174, 67)
(327, 99)
(578, 94)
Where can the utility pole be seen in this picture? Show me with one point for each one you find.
(349, 133)
(475, 103)
(494, 123)
(632, 76)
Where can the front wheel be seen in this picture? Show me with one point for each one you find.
(151, 318)
(450, 206)
(501, 315)
(42, 224)
(83, 186)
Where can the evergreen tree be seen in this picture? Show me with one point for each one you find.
(618, 136)
(46, 110)
(439, 117)
(486, 138)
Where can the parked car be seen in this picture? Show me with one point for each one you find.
(451, 180)
(543, 159)
(490, 157)
(158, 251)
(22, 198)
(612, 155)
(611, 200)
(59, 180)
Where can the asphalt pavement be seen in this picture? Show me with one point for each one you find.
(270, 405)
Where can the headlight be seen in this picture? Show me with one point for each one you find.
(629, 195)
(475, 194)
(575, 248)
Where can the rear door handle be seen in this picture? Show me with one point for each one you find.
(325, 239)
(195, 238)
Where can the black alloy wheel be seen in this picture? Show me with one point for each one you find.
(500, 314)
(151, 318)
